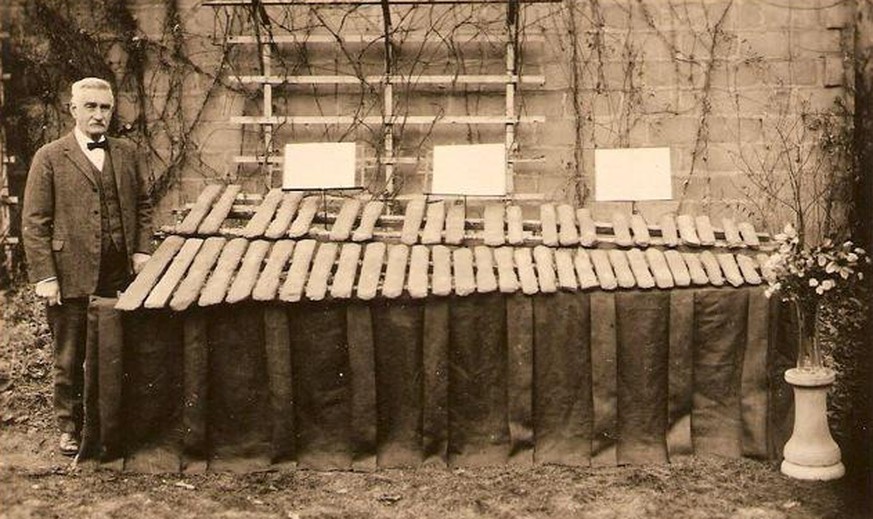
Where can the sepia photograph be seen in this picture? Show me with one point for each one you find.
(428, 259)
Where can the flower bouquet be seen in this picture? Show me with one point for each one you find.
(815, 281)
(811, 279)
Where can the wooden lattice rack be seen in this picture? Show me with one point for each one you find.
(510, 119)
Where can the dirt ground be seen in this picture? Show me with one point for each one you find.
(36, 482)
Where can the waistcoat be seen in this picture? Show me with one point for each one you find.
(111, 230)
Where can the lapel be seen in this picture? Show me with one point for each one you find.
(77, 157)
(116, 156)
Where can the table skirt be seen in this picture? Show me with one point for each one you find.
(572, 378)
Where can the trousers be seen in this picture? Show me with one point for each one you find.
(68, 323)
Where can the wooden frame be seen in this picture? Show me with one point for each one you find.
(510, 80)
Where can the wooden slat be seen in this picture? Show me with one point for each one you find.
(585, 270)
(603, 268)
(730, 268)
(298, 272)
(747, 268)
(710, 265)
(345, 220)
(462, 271)
(549, 220)
(322, 267)
(434, 223)
(493, 234)
(287, 210)
(526, 275)
(137, 292)
(189, 289)
(763, 263)
(164, 289)
(705, 231)
(455, 220)
(568, 235)
(419, 264)
(397, 79)
(371, 270)
(220, 3)
(245, 279)
(747, 232)
(731, 233)
(370, 120)
(369, 217)
(695, 268)
(678, 268)
(395, 271)
(621, 230)
(305, 215)
(566, 271)
(219, 211)
(514, 225)
(270, 278)
(219, 282)
(669, 234)
(640, 230)
(258, 223)
(366, 38)
(442, 271)
(545, 266)
(622, 269)
(687, 231)
(200, 209)
(412, 220)
(506, 278)
(640, 268)
(587, 228)
(660, 269)
(347, 269)
(486, 281)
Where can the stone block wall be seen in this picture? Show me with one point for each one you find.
(729, 86)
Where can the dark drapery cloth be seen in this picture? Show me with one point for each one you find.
(566, 378)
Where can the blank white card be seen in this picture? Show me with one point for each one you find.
(632, 174)
(319, 165)
(469, 169)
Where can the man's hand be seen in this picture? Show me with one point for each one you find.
(139, 260)
(49, 290)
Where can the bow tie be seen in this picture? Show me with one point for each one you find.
(104, 144)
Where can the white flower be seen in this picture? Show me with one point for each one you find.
(813, 282)
(820, 290)
(860, 276)
(828, 284)
(852, 257)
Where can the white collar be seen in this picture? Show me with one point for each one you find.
(83, 139)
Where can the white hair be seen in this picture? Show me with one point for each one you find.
(94, 83)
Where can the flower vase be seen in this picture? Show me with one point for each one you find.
(811, 452)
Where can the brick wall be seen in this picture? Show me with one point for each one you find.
(725, 84)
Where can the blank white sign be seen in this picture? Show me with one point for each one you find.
(469, 169)
(319, 165)
(632, 174)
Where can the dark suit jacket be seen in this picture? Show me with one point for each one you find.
(61, 213)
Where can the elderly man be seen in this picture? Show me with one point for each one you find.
(86, 227)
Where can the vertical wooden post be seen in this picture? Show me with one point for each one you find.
(266, 58)
(388, 100)
(511, 58)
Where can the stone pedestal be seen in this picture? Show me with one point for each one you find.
(811, 453)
